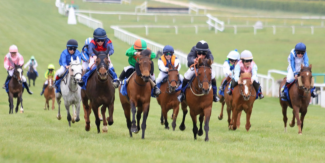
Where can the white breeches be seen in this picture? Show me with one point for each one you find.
(153, 78)
(162, 75)
(85, 65)
(46, 82)
(190, 72)
(127, 68)
(290, 76)
(11, 72)
(61, 71)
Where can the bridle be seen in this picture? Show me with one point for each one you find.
(169, 88)
(102, 64)
(74, 77)
(200, 83)
(14, 75)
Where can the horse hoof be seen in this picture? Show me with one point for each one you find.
(58, 117)
(110, 123)
(134, 130)
(182, 127)
(220, 117)
(167, 128)
(299, 133)
(105, 129)
(21, 111)
(206, 139)
(291, 125)
(72, 120)
(162, 123)
(200, 133)
(87, 128)
(77, 119)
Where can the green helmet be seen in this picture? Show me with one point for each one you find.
(32, 58)
(140, 44)
(51, 66)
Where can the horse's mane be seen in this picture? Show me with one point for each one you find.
(305, 69)
(205, 62)
(146, 53)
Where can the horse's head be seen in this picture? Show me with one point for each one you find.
(204, 75)
(50, 82)
(75, 69)
(173, 78)
(144, 65)
(306, 78)
(31, 67)
(246, 86)
(102, 63)
(18, 73)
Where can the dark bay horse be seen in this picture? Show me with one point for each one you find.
(299, 97)
(16, 89)
(168, 98)
(138, 90)
(226, 99)
(100, 92)
(49, 93)
(199, 97)
(243, 98)
(31, 74)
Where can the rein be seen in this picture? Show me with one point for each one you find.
(199, 82)
(170, 81)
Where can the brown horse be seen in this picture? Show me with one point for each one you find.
(139, 90)
(100, 92)
(49, 93)
(16, 89)
(168, 98)
(243, 98)
(31, 74)
(199, 97)
(226, 99)
(299, 97)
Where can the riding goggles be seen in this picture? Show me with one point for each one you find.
(168, 53)
(100, 40)
(231, 60)
(248, 60)
(72, 48)
(300, 52)
(202, 52)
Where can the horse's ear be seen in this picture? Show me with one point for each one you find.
(107, 50)
(78, 61)
(170, 66)
(95, 51)
(210, 62)
(310, 66)
(71, 59)
(200, 61)
(177, 67)
(302, 66)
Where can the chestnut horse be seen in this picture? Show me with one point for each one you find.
(226, 99)
(100, 92)
(168, 98)
(299, 97)
(138, 90)
(49, 93)
(199, 96)
(243, 98)
(16, 89)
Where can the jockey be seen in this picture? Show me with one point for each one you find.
(65, 60)
(33, 62)
(229, 65)
(85, 55)
(297, 56)
(246, 64)
(50, 72)
(11, 59)
(100, 43)
(164, 61)
(136, 49)
(201, 50)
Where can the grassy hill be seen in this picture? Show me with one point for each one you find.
(37, 136)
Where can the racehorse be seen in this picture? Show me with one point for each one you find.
(299, 98)
(31, 74)
(49, 93)
(70, 91)
(168, 98)
(243, 98)
(199, 96)
(138, 90)
(16, 89)
(226, 99)
(99, 91)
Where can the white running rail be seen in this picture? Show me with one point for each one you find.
(88, 21)
(193, 7)
(215, 23)
(142, 7)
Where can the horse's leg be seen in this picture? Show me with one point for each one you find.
(34, 82)
(110, 113)
(302, 117)
(28, 81)
(184, 108)
(284, 113)
(73, 108)
(229, 116)
(145, 116)
(47, 104)
(77, 112)
(18, 102)
(164, 111)
(292, 123)
(238, 119)
(99, 115)
(87, 112)
(133, 110)
(97, 121)
(200, 133)
(67, 107)
(126, 108)
(53, 102)
(234, 118)
(103, 111)
(221, 113)
(296, 114)
(21, 104)
(58, 100)
(139, 112)
(193, 116)
(175, 114)
(161, 118)
(207, 114)
(248, 117)
(11, 103)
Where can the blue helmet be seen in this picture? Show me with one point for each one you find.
(100, 33)
(300, 47)
(88, 40)
(168, 48)
(72, 43)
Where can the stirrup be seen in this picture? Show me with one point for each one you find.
(216, 98)
(261, 96)
(157, 91)
(180, 97)
(116, 83)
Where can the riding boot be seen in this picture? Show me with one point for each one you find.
(27, 88)
(282, 94)
(214, 88)
(122, 75)
(232, 85)
(223, 85)
(116, 81)
(314, 92)
(181, 96)
(156, 90)
(257, 88)
(4, 85)
(44, 86)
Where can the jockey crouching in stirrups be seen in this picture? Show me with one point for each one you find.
(168, 58)
(201, 50)
(85, 55)
(99, 43)
(31, 62)
(50, 72)
(228, 68)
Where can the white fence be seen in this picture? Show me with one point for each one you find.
(215, 23)
(88, 21)
(142, 7)
(193, 7)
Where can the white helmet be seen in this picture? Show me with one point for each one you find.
(246, 54)
(234, 55)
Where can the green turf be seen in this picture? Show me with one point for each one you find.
(37, 136)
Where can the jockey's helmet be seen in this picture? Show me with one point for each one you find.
(202, 47)
(100, 33)
(13, 49)
(32, 58)
(246, 55)
(50, 66)
(233, 55)
(300, 47)
(88, 40)
(168, 49)
(140, 44)
(72, 43)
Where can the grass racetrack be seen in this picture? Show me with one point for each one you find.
(37, 136)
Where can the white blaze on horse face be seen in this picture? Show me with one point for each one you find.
(307, 73)
(246, 88)
(19, 70)
(50, 82)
